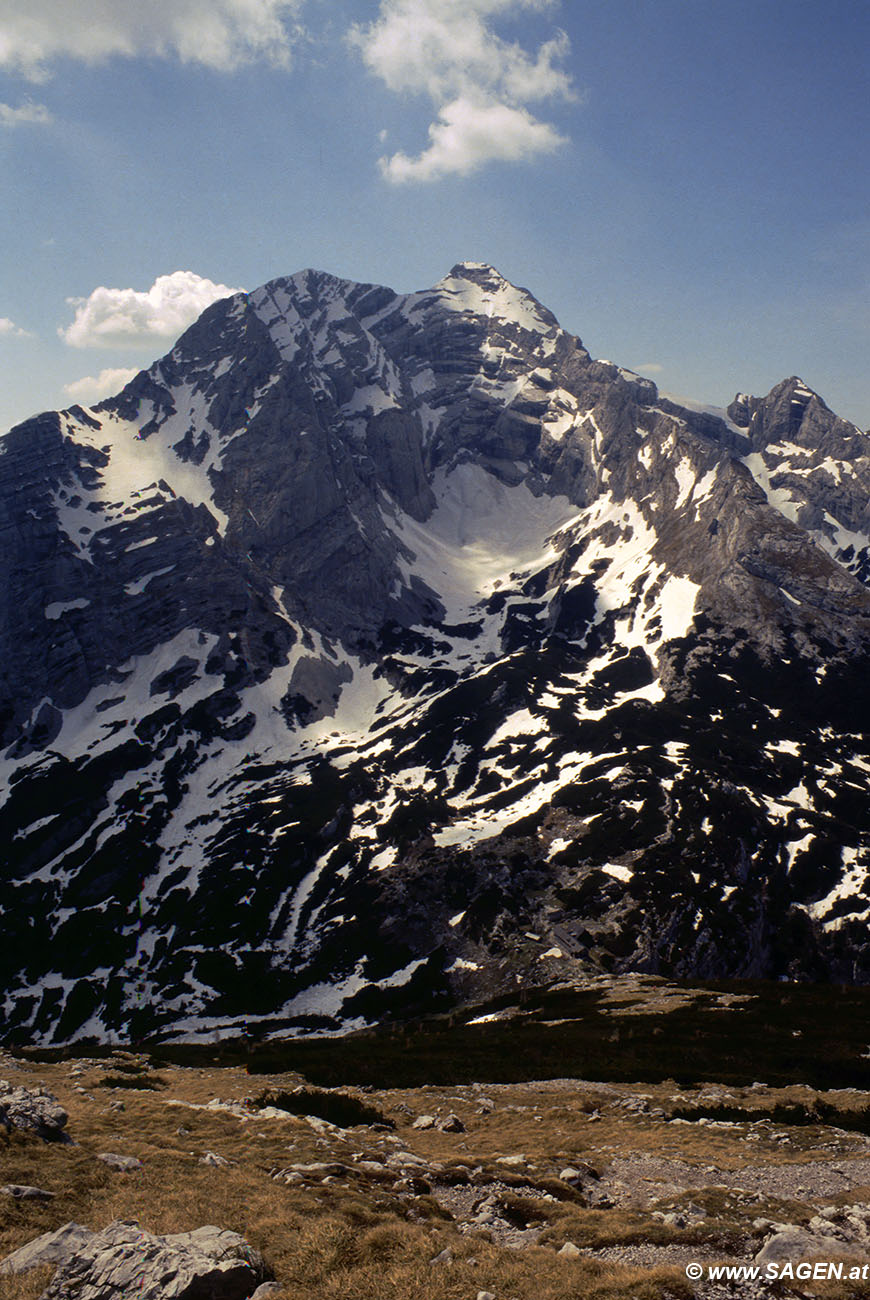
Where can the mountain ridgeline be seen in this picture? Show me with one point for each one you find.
(374, 652)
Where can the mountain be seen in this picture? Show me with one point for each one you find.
(375, 651)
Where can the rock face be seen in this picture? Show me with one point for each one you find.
(375, 648)
(122, 1260)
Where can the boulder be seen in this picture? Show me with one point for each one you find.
(34, 1110)
(451, 1124)
(843, 1223)
(51, 1248)
(123, 1164)
(123, 1260)
(571, 1175)
(22, 1192)
(794, 1244)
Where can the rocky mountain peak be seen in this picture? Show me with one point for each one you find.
(371, 647)
(790, 411)
(475, 288)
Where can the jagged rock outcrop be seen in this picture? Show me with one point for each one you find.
(371, 649)
(206, 1264)
(55, 1247)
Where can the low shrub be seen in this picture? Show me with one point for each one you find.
(339, 1108)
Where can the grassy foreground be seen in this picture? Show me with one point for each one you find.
(347, 1200)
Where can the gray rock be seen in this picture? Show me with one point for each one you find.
(123, 1164)
(424, 1122)
(24, 1193)
(402, 1159)
(291, 1177)
(572, 1176)
(51, 1248)
(123, 1260)
(214, 1160)
(672, 1220)
(451, 1124)
(569, 1251)
(33, 1110)
(444, 1256)
(320, 1169)
(795, 1244)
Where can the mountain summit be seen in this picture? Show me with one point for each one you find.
(373, 649)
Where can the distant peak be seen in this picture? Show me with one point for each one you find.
(797, 394)
(793, 388)
(474, 270)
(478, 288)
(796, 384)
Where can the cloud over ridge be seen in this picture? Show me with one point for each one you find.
(94, 387)
(110, 318)
(480, 84)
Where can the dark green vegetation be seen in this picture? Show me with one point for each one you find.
(131, 1081)
(734, 1033)
(784, 1034)
(338, 1108)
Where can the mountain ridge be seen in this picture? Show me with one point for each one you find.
(366, 635)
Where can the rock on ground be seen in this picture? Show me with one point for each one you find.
(51, 1248)
(32, 1109)
(123, 1260)
(123, 1164)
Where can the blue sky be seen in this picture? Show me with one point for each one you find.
(685, 183)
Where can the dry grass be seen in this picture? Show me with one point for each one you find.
(26, 1286)
(359, 1237)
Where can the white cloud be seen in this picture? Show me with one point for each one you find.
(27, 114)
(221, 34)
(133, 318)
(481, 84)
(9, 330)
(649, 368)
(469, 134)
(94, 387)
